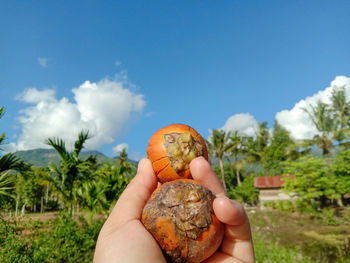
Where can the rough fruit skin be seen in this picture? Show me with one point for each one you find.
(179, 215)
(171, 150)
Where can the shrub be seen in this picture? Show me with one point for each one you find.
(285, 206)
(13, 248)
(67, 241)
(246, 192)
(266, 252)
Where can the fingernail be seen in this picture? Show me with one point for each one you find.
(141, 164)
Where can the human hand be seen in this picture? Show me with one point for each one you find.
(123, 238)
(237, 245)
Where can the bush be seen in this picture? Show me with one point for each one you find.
(271, 253)
(285, 206)
(67, 241)
(304, 206)
(326, 247)
(246, 192)
(13, 248)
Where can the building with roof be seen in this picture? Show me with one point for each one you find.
(270, 188)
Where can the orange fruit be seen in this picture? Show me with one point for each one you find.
(172, 148)
(179, 215)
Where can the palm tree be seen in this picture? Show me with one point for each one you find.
(219, 144)
(9, 162)
(91, 194)
(71, 169)
(115, 179)
(341, 110)
(2, 136)
(6, 184)
(123, 157)
(238, 148)
(123, 162)
(262, 137)
(322, 119)
(256, 146)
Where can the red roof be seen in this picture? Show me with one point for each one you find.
(270, 181)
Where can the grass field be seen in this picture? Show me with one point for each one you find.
(285, 237)
(278, 237)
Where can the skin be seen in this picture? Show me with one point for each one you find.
(123, 238)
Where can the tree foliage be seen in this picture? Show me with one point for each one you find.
(280, 148)
(313, 182)
(8, 163)
(341, 170)
(72, 171)
(219, 144)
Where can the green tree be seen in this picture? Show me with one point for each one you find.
(341, 170)
(281, 148)
(92, 196)
(115, 179)
(8, 163)
(219, 144)
(238, 151)
(340, 107)
(28, 189)
(313, 182)
(71, 170)
(2, 135)
(245, 192)
(6, 184)
(255, 146)
(322, 119)
(123, 157)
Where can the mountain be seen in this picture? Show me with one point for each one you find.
(42, 157)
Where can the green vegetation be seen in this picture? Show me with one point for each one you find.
(285, 237)
(312, 227)
(57, 240)
(43, 157)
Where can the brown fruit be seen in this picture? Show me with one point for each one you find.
(172, 148)
(180, 217)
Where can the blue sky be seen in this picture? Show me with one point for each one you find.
(194, 62)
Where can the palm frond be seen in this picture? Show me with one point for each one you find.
(60, 146)
(11, 162)
(79, 144)
(6, 183)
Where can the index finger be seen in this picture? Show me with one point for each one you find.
(201, 172)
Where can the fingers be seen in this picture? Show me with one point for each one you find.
(134, 197)
(201, 172)
(229, 211)
(238, 239)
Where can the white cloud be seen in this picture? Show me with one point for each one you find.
(42, 62)
(117, 149)
(105, 108)
(242, 122)
(136, 156)
(118, 63)
(32, 95)
(9, 147)
(297, 120)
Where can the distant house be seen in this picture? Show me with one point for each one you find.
(270, 188)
